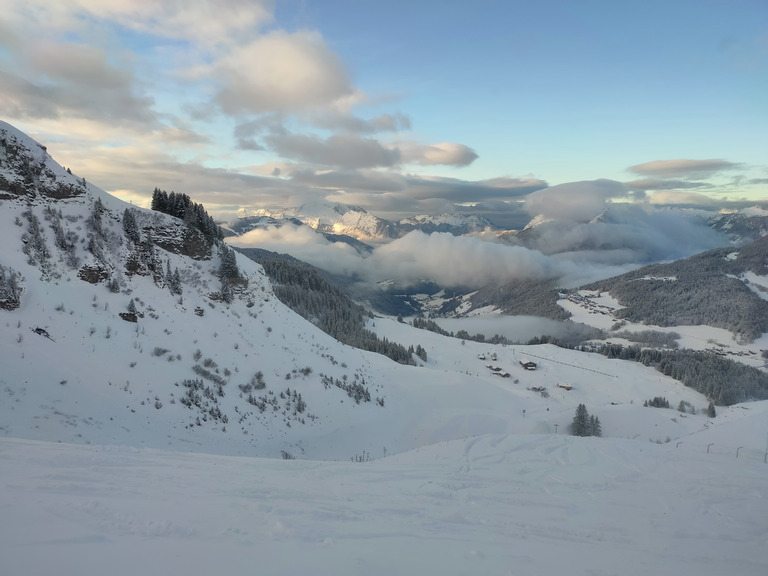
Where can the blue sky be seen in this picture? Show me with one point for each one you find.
(399, 107)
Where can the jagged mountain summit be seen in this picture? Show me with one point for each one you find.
(326, 218)
(455, 224)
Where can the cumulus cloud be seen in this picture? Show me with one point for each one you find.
(280, 72)
(395, 196)
(133, 171)
(344, 150)
(363, 180)
(568, 251)
(73, 64)
(626, 234)
(577, 201)
(449, 260)
(55, 79)
(457, 261)
(346, 122)
(447, 153)
(206, 22)
(682, 168)
(303, 243)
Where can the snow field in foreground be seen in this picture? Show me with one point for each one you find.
(494, 504)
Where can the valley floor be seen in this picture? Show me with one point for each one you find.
(494, 504)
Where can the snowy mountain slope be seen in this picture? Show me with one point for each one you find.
(600, 311)
(75, 370)
(246, 377)
(745, 224)
(613, 390)
(712, 288)
(148, 350)
(194, 372)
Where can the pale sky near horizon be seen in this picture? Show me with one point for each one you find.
(398, 107)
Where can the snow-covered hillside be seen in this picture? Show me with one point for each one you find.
(127, 347)
(102, 348)
(97, 350)
(747, 223)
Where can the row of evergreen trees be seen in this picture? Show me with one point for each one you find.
(193, 214)
(721, 379)
(432, 326)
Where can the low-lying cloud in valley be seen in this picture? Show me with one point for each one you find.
(571, 250)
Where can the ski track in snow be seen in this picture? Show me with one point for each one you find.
(496, 504)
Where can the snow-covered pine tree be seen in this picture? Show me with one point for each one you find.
(594, 426)
(228, 267)
(130, 227)
(580, 425)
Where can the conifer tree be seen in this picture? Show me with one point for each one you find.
(226, 290)
(580, 425)
(130, 227)
(594, 426)
(228, 267)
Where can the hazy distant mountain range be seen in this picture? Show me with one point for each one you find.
(354, 225)
(726, 287)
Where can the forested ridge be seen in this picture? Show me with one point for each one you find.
(703, 289)
(522, 298)
(302, 288)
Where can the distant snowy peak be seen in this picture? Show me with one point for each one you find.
(455, 224)
(755, 211)
(346, 220)
(357, 223)
(336, 219)
(537, 221)
(746, 224)
(542, 219)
